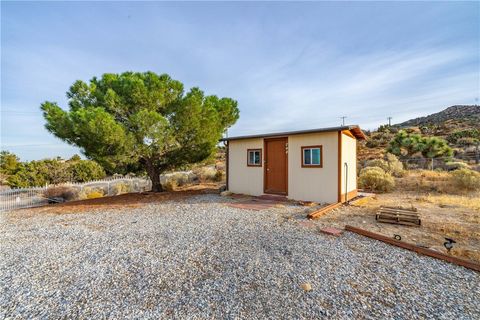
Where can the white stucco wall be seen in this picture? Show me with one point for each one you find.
(313, 184)
(349, 155)
(244, 179)
(308, 184)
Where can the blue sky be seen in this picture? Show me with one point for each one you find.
(290, 65)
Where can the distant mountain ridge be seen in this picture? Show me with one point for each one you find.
(470, 113)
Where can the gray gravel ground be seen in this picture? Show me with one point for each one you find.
(196, 258)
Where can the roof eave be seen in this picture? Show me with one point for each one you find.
(354, 129)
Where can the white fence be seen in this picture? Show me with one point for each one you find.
(37, 196)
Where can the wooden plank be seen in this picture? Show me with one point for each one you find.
(398, 212)
(395, 216)
(420, 250)
(406, 223)
(413, 209)
(380, 217)
(320, 212)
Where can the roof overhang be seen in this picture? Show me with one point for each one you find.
(353, 129)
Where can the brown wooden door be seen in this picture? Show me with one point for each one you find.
(275, 175)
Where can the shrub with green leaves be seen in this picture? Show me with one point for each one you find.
(391, 165)
(454, 137)
(466, 179)
(376, 179)
(85, 170)
(48, 171)
(408, 145)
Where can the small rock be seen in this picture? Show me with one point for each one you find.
(225, 193)
(306, 286)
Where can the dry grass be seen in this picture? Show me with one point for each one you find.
(446, 200)
(442, 215)
(430, 181)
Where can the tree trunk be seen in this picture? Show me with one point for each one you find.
(154, 174)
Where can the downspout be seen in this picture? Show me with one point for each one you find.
(345, 166)
(226, 163)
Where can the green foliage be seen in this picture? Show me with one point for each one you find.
(380, 138)
(141, 121)
(9, 163)
(391, 165)
(85, 170)
(75, 157)
(466, 142)
(39, 173)
(474, 134)
(433, 147)
(48, 171)
(376, 179)
(466, 179)
(407, 145)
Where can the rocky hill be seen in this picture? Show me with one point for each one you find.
(463, 113)
(459, 125)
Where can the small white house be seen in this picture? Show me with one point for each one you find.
(311, 165)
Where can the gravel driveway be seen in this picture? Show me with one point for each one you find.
(196, 258)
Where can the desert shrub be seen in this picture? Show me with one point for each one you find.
(95, 194)
(391, 165)
(206, 174)
(468, 133)
(377, 163)
(376, 179)
(170, 185)
(466, 179)
(91, 193)
(381, 138)
(64, 192)
(466, 142)
(121, 188)
(454, 165)
(180, 179)
(395, 166)
(218, 175)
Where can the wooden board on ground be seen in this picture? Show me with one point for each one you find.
(420, 250)
(402, 216)
(320, 212)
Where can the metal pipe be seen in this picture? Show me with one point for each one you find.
(345, 166)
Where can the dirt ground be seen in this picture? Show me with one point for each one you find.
(129, 200)
(452, 216)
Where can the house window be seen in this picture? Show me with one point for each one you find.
(312, 157)
(254, 157)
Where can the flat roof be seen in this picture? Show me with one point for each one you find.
(354, 129)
